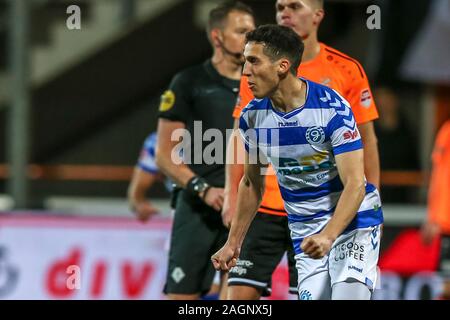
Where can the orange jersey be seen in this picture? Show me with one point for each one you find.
(438, 195)
(335, 70)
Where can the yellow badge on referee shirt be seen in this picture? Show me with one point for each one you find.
(167, 101)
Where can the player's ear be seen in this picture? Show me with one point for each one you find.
(216, 37)
(318, 16)
(283, 66)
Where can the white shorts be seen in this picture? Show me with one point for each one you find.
(354, 255)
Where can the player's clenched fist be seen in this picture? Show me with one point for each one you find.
(225, 258)
(317, 246)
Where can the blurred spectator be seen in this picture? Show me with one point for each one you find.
(438, 219)
(401, 23)
(426, 59)
(145, 175)
(396, 142)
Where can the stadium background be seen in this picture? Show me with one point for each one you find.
(76, 105)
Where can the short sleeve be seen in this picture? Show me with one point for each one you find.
(342, 129)
(248, 134)
(175, 102)
(147, 157)
(360, 97)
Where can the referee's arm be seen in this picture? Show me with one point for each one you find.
(172, 165)
(167, 161)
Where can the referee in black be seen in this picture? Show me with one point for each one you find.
(199, 98)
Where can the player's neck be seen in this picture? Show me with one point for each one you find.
(290, 94)
(225, 67)
(312, 48)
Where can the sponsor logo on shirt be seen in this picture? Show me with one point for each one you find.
(287, 166)
(366, 99)
(287, 124)
(350, 135)
(167, 101)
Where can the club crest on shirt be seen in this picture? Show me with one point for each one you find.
(315, 135)
(167, 101)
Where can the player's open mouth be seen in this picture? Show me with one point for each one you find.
(251, 85)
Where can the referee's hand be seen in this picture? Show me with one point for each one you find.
(225, 258)
(214, 198)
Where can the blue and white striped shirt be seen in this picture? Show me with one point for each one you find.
(301, 145)
(147, 160)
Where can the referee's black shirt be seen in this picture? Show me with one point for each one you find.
(200, 93)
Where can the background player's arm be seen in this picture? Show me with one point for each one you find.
(357, 92)
(430, 229)
(437, 193)
(371, 156)
(180, 173)
(350, 166)
(234, 170)
(137, 200)
(251, 190)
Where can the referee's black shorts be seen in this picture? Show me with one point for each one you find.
(197, 233)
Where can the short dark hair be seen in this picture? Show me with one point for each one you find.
(279, 41)
(218, 15)
(319, 3)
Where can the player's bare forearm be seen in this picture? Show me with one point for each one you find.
(433, 189)
(251, 190)
(348, 205)
(371, 156)
(350, 167)
(168, 161)
(234, 170)
(139, 185)
(137, 191)
(372, 164)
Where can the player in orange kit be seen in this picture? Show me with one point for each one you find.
(268, 237)
(438, 218)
